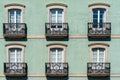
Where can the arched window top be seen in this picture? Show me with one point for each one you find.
(19, 45)
(99, 4)
(56, 4)
(56, 45)
(14, 4)
(98, 45)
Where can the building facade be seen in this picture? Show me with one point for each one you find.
(59, 40)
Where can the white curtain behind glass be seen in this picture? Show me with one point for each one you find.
(98, 55)
(56, 15)
(15, 55)
(56, 55)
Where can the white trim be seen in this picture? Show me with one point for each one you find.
(99, 5)
(98, 45)
(14, 6)
(54, 6)
(56, 46)
(15, 46)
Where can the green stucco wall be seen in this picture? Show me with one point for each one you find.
(77, 50)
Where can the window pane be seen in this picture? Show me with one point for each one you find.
(14, 15)
(15, 55)
(11, 16)
(56, 15)
(98, 54)
(18, 16)
(56, 54)
(98, 15)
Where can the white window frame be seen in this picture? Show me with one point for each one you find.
(98, 45)
(15, 45)
(14, 6)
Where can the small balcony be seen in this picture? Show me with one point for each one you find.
(14, 30)
(56, 69)
(56, 30)
(15, 69)
(99, 30)
(98, 69)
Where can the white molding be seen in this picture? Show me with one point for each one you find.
(71, 36)
(14, 6)
(70, 75)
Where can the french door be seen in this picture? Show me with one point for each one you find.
(14, 17)
(56, 58)
(15, 58)
(98, 17)
(98, 58)
(56, 18)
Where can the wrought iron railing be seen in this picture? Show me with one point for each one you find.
(14, 29)
(98, 69)
(56, 69)
(99, 29)
(56, 29)
(15, 69)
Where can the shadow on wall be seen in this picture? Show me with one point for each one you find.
(57, 78)
(98, 78)
(16, 78)
(99, 39)
(57, 39)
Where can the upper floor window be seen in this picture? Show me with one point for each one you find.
(56, 53)
(15, 53)
(99, 12)
(98, 65)
(14, 13)
(56, 25)
(15, 65)
(99, 24)
(98, 15)
(56, 15)
(98, 52)
(56, 12)
(56, 62)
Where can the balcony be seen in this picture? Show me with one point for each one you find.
(56, 69)
(98, 69)
(15, 69)
(99, 30)
(14, 30)
(56, 30)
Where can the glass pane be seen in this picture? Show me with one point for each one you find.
(59, 54)
(94, 56)
(98, 54)
(14, 15)
(11, 16)
(56, 15)
(15, 55)
(98, 14)
(52, 55)
(18, 16)
(56, 54)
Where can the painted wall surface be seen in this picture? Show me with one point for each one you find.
(77, 50)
